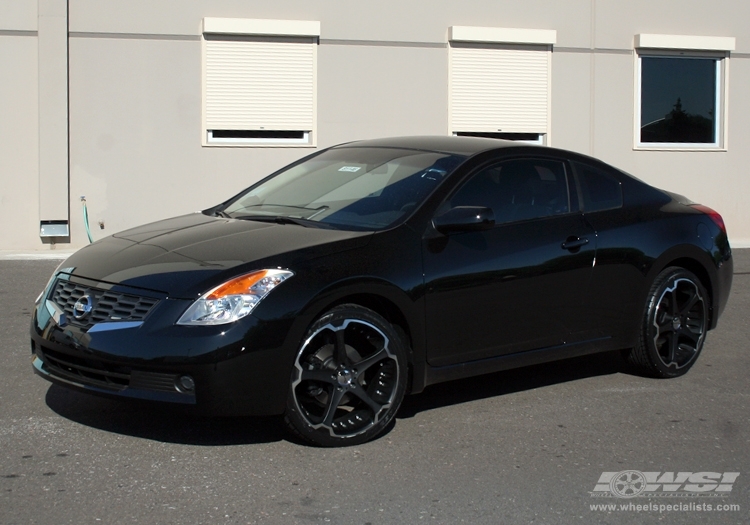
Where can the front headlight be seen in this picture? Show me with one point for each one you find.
(234, 299)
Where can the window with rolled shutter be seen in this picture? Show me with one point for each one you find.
(259, 85)
(500, 88)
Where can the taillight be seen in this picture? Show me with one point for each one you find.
(713, 214)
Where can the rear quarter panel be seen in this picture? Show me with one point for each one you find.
(635, 243)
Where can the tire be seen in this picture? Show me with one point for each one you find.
(674, 325)
(348, 380)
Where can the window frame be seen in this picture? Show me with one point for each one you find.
(721, 103)
(262, 31)
(502, 40)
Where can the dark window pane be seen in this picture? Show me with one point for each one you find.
(601, 191)
(518, 190)
(530, 137)
(678, 100)
(256, 134)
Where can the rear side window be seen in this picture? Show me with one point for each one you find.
(599, 189)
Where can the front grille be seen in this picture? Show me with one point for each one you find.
(107, 305)
(86, 371)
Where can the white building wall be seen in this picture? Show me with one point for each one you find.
(19, 131)
(135, 97)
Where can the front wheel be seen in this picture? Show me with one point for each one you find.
(674, 325)
(349, 378)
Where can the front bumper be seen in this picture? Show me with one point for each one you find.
(238, 369)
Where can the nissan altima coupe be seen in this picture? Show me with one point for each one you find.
(335, 286)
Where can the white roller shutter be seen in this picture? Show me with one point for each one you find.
(253, 84)
(500, 88)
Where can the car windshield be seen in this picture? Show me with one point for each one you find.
(347, 188)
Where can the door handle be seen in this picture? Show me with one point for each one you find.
(574, 243)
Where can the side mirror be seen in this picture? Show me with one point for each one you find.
(464, 219)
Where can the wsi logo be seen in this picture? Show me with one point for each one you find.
(634, 483)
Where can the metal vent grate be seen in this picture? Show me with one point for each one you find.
(86, 371)
(93, 372)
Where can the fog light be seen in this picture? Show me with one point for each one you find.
(185, 384)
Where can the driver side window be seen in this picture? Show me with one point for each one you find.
(517, 190)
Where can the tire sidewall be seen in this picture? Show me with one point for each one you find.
(664, 281)
(321, 436)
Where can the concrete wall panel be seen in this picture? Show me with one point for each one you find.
(135, 119)
(19, 146)
(571, 101)
(375, 91)
(385, 20)
(18, 15)
(613, 108)
(617, 21)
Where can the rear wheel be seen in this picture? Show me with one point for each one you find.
(674, 325)
(349, 378)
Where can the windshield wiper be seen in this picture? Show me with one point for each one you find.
(281, 219)
(265, 204)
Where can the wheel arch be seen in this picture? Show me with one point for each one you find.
(694, 260)
(388, 301)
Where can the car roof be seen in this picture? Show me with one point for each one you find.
(466, 146)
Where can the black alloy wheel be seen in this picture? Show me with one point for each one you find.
(674, 325)
(349, 378)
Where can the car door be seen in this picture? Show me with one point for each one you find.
(521, 284)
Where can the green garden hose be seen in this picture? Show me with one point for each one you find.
(86, 219)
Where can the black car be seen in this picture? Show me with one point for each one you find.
(330, 289)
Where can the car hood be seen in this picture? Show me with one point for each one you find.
(184, 255)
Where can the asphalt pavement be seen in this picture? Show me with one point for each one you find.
(524, 446)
